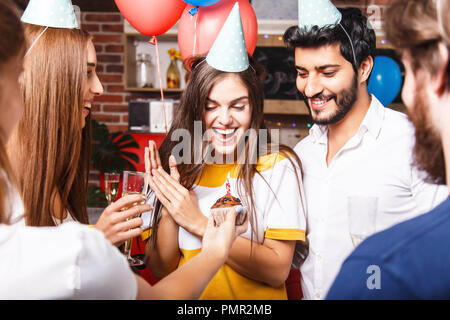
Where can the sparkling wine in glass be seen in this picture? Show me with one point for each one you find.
(112, 180)
(134, 183)
(362, 212)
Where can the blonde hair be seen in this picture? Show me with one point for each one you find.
(49, 147)
(12, 45)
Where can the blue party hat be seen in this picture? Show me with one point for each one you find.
(319, 13)
(229, 52)
(51, 13)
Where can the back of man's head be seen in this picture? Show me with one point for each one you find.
(417, 27)
(356, 25)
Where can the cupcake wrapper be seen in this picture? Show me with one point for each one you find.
(219, 215)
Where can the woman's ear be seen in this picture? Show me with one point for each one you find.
(440, 81)
(365, 69)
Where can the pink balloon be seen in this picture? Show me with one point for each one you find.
(151, 17)
(209, 23)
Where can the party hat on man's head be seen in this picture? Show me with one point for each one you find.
(319, 13)
(229, 52)
(51, 13)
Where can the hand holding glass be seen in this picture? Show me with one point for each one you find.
(362, 213)
(133, 183)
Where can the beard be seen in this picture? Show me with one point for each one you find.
(428, 152)
(344, 101)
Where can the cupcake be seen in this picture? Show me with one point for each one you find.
(220, 208)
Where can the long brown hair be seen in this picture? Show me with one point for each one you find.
(50, 148)
(12, 45)
(192, 103)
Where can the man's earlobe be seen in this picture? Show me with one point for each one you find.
(365, 69)
(440, 83)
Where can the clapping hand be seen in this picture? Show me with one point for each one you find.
(153, 161)
(181, 203)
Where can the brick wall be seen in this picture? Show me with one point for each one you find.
(111, 108)
(107, 29)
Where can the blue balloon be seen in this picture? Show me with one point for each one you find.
(386, 79)
(201, 3)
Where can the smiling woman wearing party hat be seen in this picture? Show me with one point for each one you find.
(223, 101)
(356, 146)
(51, 146)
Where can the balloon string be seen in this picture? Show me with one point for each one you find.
(195, 34)
(155, 42)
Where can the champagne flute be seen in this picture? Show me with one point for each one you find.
(112, 180)
(134, 183)
(362, 212)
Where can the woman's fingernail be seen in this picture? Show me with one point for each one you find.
(239, 209)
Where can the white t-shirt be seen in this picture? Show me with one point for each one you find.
(375, 162)
(71, 261)
(279, 210)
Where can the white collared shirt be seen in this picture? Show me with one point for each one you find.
(377, 161)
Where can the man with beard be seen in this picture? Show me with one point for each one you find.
(411, 260)
(356, 146)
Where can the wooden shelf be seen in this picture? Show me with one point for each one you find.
(165, 42)
(298, 107)
(134, 89)
(294, 107)
(398, 107)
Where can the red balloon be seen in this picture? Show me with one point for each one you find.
(151, 17)
(209, 23)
